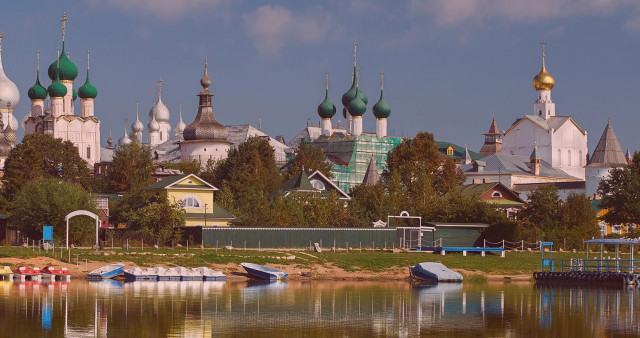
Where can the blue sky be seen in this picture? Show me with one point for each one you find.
(449, 64)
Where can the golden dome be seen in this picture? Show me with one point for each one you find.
(543, 81)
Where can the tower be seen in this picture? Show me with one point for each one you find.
(154, 131)
(124, 140)
(37, 93)
(543, 82)
(492, 140)
(381, 110)
(87, 94)
(179, 127)
(326, 110)
(355, 101)
(606, 156)
(137, 127)
(161, 114)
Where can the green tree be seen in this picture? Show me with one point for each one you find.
(541, 214)
(47, 201)
(159, 218)
(621, 194)
(577, 222)
(369, 202)
(41, 156)
(131, 168)
(308, 157)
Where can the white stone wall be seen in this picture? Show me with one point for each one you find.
(203, 151)
(569, 149)
(593, 178)
(521, 139)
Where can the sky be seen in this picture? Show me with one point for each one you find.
(449, 65)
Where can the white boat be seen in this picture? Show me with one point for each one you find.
(264, 272)
(168, 274)
(107, 271)
(210, 274)
(188, 274)
(135, 274)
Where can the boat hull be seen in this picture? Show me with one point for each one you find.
(263, 272)
(116, 270)
(435, 273)
(134, 277)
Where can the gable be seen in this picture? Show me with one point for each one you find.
(526, 121)
(183, 181)
(500, 193)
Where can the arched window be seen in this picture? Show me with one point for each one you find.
(559, 157)
(496, 194)
(317, 184)
(569, 157)
(88, 152)
(190, 201)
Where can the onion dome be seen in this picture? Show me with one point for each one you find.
(110, 141)
(66, 70)
(205, 126)
(362, 96)
(326, 109)
(350, 94)
(10, 134)
(37, 91)
(137, 127)
(57, 89)
(9, 94)
(381, 110)
(87, 90)
(124, 140)
(356, 107)
(179, 127)
(543, 80)
(160, 110)
(153, 125)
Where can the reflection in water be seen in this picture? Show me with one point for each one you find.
(113, 308)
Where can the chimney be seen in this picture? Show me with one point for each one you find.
(534, 161)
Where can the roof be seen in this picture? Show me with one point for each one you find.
(577, 185)
(494, 128)
(301, 182)
(624, 241)
(371, 176)
(458, 151)
(596, 204)
(456, 225)
(608, 151)
(553, 122)
(172, 182)
(217, 212)
(502, 164)
(478, 190)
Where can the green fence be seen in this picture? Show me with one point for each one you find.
(304, 237)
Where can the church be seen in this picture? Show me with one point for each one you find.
(560, 141)
(58, 117)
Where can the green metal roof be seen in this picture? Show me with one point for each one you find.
(458, 151)
(218, 212)
(63, 67)
(87, 90)
(37, 91)
(162, 184)
(299, 182)
(326, 109)
(381, 109)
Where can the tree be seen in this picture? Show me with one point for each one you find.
(577, 221)
(42, 156)
(621, 194)
(420, 156)
(47, 201)
(541, 213)
(131, 168)
(159, 218)
(308, 157)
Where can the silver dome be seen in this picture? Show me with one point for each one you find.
(160, 110)
(125, 140)
(137, 127)
(179, 128)
(9, 93)
(153, 124)
(10, 119)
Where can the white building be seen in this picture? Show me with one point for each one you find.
(59, 119)
(606, 156)
(560, 140)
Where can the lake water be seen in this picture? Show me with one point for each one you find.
(315, 308)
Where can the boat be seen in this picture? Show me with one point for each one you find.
(136, 274)
(263, 272)
(188, 274)
(107, 271)
(208, 274)
(53, 274)
(170, 274)
(434, 272)
(26, 273)
(6, 273)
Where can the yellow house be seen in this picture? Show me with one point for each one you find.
(196, 197)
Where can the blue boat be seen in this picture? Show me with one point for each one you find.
(434, 272)
(263, 272)
(106, 272)
(136, 274)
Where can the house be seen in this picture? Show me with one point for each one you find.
(196, 197)
(315, 183)
(496, 194)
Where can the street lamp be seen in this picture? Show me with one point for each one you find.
(205, 214)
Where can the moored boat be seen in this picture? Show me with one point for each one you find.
(167, 274)
(27, 273)
(6, 273)
(188, 274)
(263, 272)
(136, 274)
(208, 274)
(107, 271)
(434, 272)
(53, 273)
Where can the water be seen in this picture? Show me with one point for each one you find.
(317, 308)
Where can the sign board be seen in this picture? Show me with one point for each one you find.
(47, 233)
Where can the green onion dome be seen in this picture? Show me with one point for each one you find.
(362, 96)
(67, 70)
(352, 92)
(57, 89)
(74, 94)
(381, 109)
(87, 90)
(37, 92)
(356, 107)
(326, 109)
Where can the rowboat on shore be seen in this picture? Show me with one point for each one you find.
(263, 272)
(107, 271)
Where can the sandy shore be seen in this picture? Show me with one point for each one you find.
(235, 272)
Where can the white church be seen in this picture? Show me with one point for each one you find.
(560, 140)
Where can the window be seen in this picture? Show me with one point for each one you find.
(190, 201)
(539, 112)
(317, 184)
(559, 157)
(450, 151)
(496, 194)
(88, 152)
(569, 157)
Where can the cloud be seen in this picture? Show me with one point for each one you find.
(453, 12)
(166, 9)
(272, 27)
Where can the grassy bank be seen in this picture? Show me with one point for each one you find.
(514, 263)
